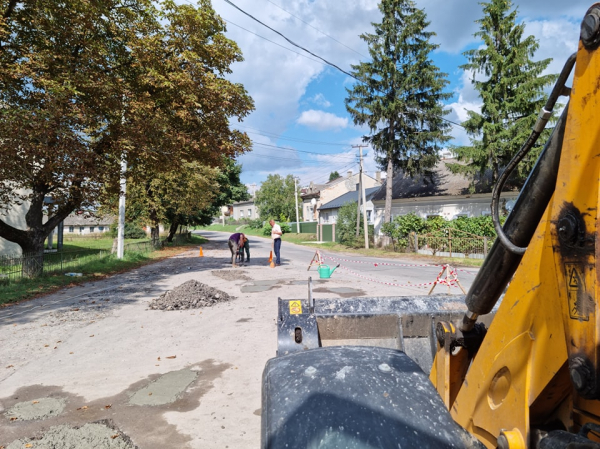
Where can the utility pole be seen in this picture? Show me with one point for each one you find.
(362, 194)
(296, 198)
(122, 192)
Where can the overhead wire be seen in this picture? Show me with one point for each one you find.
(273, 42)
(229, 2)
(290, 41)
(315, 28)
(293, 139)
(301, 151)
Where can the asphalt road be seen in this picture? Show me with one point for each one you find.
(95, 347)
(374, 276)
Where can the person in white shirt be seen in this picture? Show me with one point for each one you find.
(276, 236)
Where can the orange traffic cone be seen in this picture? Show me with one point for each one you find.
(201, 253)
(271, 263)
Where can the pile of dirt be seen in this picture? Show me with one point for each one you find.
(190, 295)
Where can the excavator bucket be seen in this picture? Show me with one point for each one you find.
(405, 323)
(368, 358)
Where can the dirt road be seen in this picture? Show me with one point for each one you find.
(164, 378)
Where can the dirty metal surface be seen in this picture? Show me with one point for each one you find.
(357, 398)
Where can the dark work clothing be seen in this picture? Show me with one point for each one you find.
(234, 248)
(245, 248)
(277, 249)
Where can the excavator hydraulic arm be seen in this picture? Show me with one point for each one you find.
(519, 369)
(535, 380)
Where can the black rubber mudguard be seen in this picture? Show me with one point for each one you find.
(357, 398)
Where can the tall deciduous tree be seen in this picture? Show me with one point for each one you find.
(85, 82)
(276, 197)
(226, 188)
(511, 91)
(400, 92)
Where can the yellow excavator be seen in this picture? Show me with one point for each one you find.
(515, 365)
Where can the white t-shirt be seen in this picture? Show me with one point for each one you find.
(276, 228)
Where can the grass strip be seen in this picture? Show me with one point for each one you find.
(92, 269)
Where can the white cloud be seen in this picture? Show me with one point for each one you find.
(321, 120)
(277, 79)
(320, 100)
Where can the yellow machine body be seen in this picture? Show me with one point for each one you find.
(544, 338)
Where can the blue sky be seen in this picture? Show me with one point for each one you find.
(300, 125)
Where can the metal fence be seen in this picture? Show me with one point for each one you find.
(11, 267)
(453, 243)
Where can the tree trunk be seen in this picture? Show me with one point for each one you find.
(33, 256)
(172, 230)
(154, 229)
(387, 214)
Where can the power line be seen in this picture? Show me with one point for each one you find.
(314, 54)
(325, 34)
(300, 151)
(273, 42)
(289, 40)
(293, 139)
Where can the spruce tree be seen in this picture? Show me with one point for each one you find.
(512, 93)
(400, 92)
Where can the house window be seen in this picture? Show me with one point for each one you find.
(368, 215)
(241, 213)
(81, 229)
(71, 228)
(91, 229)
(249, 213)
(101, 228)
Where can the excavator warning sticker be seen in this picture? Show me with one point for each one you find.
(576, 292)
(295, 307)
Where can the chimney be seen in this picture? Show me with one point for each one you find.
(378, 176)
(349, 173)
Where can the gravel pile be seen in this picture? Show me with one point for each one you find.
(190, 295)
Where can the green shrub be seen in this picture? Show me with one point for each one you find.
(285, 228)
(132, 231)
(256, 223)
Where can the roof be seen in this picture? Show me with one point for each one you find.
(86, 220)
(349, 197)
(440, 181)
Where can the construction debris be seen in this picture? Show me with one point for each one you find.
(190, 295)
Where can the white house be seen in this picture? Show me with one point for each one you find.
(324, 193)
(244, 210)
(443, 193)
(81, 224)
(328, 213)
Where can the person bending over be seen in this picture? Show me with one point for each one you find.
(236, 241)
